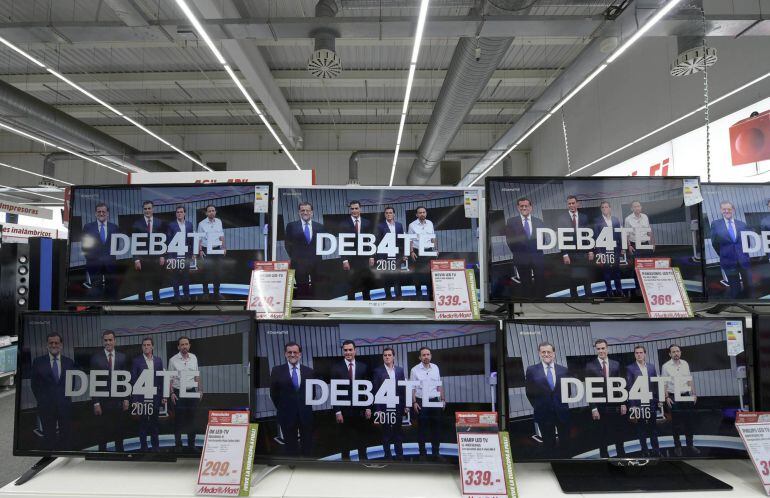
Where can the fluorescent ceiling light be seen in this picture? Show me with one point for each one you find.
(30, 192)
(643, 30)
(421, 18)
(35, 174)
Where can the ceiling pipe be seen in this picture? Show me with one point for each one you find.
(356, 156)
(473, 63)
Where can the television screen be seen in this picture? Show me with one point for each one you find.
(597, 389)
(761, 326)
(373, 246)
(166, 243)
(578, 238)
(127, 384)
(408, 380)
(736, 231)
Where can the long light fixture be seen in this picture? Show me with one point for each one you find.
(101, 102)
(220, 58)
(34, 174)
(421, 18)
(19, 189)
(625, 46)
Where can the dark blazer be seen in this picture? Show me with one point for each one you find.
(50, 395)
(600, 225)
(594, 369)
(290, 403)
(633, 372)
(524, 248)
(379, 376)
(137, 367)
(349, 227)
(383, 230)
(301, 253)
(764, 225)
(140, 226)
(547, 404)
(565, 221)
(731, 253)
(99, 252)
(99, 362)
(171, 230)
(340, 371)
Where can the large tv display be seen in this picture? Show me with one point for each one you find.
(360, 391)
(131, 385)
(555, 239)
(637, 389)
(736, 232)
(362, 247)
(166, 243)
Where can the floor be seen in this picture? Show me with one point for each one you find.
(12, 466)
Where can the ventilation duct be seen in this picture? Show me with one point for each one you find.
(325, 63)
(693, 55)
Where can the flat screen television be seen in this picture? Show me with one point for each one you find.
(736, 231)
(761, 325)
(135, 244)
(96, 398)
(377, 262)
(399, 415)
(552, 239)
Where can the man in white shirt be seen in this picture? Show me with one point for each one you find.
(639, 238)
(109, 412)
(184, 363)
(680, 400)
(213, 249)
(429, 390)
(422, 252)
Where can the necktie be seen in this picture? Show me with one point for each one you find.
(149, 227)
(574, 220)
(307, 234)
(527, 231)
(549, 376)
(294, 379)
(350, 371)
(55, 369)
(102, 233)
(731, 229)
(109, 361)
(604, 368)
(358, 230)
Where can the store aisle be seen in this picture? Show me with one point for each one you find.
(11, 467)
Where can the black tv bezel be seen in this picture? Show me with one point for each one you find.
(555, 321)
(263, 459)
(592, 299)
(118, 302)
(113, 455)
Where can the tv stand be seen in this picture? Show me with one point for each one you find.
(621, 477)
(32, 472)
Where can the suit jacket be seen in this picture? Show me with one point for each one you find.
(137, 367)
(98, 252)
(764, 225)
(379, 376)
(524, 248)
(171, 230)
(140, 226)
(50, 395)
(99, 362)
(547, 404)
(383, 230)
(594, 369)
(301, 253)
(731, 253)
(340, 371)
(565, 221)
(290, 403)
(349, 227)
(633, 372)
(600, 225)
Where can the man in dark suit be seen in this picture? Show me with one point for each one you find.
(300, 243)
(543, 390)
(352, 421)
(521, 237)
(110, 412)
(357, 267)
(579, 263)
(100, 264)
(608, 417)
(392, 228)
(148, 267)
(609, 259)
(645, 414)
(178, 262)
(390, 418)
(148, 412)
(287, 390)
(53, 406)
(726, 241)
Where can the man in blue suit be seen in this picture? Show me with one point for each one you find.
(608, 416)
(543, 390)
(645, 414)
(300, 243)
(579, 263)
(95, 244)
(357, 267)
(110, 412)
(391, 227)
(726, 241)
(609, 259)
(178, 263)
(53, 406)
(148, 267)
(352, 421)
(287, 390)
(521, 237)
(148, 412)
(390, 418)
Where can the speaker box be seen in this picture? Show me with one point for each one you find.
(14, 286)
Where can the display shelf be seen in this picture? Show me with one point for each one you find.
(86, 478)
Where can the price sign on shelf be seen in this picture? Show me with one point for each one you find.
(225, 466)
(454, 290)
(754, 429)
(663, 289)
(484, 465)
(270, 291)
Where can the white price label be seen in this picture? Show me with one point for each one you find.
(664, 293)
(755, 434)
(481, 465)
(471, 203)
(451, 291)
(261, 198)
(268, 294)
(225, 466)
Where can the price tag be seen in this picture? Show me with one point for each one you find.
(270, 292)
(225, 467)
(754, 429)
(454, 290)
(482, 472)
(261, 198)
(663, 289)
(471, 203)
(691, 190)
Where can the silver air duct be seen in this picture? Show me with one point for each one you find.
(325, 63)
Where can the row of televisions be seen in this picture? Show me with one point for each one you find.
(140, 385)
(527, 238)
